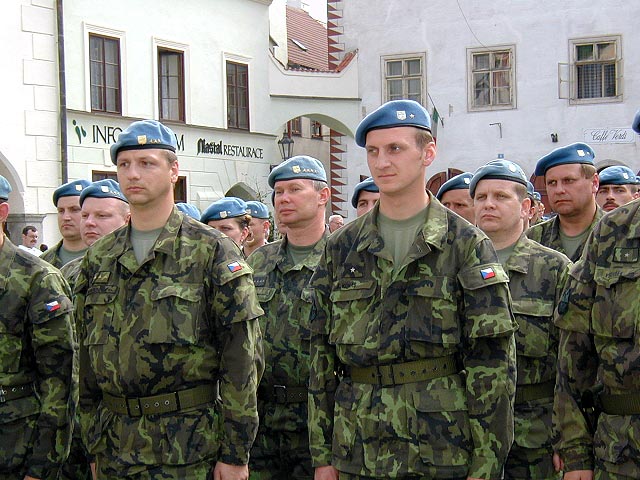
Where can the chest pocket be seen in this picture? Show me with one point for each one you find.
(99, 307)
(432, 313)
(265, 294)
(175, 314)
(351, 310)
(616, 308)
(11, 328)
(535, 321)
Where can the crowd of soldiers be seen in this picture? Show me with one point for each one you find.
(457, 335)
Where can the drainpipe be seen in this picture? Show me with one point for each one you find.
(64, 163)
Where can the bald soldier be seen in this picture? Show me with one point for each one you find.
(412, 311)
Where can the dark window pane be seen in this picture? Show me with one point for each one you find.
(104, 71)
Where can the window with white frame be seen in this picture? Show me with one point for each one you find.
(595, 69)
(104, 68)
(404, 77)
(491, 78)
(171, 101)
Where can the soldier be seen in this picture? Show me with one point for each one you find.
(282, 271)
(38, 391)
(259, 227)
(454, 194)
(572, 182)
(229, 216)
(598, 320)
(169, 317)
(618, 186)
(66, 200)
(413, 311)
(537, 276)
(365, 196)
(537, 209)
(103, 210)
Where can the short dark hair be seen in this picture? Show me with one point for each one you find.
(28, 229)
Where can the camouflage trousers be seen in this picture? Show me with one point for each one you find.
(279, 455)
(196, 471)
(600, 474)
(530, 464)
(77, 465)
(350, 476)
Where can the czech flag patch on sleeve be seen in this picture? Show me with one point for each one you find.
(487, 273)
(234, 267)
(52, 306)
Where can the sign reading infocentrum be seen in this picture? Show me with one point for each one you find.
(229, 150)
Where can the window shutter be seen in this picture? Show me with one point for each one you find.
(564, 81)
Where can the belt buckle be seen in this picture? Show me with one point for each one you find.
(386, 380)
(280, 393)
(3, 392)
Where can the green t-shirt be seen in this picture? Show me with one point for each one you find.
(571, 244)
(67, 255)
(505, 253)
(298, 254)
(143, 242)
(399, 235)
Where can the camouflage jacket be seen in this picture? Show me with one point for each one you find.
(37, 346)
(449, 296)
(71, 270)
(283, 294)
(547, 233)
(599, 318)
(51, 255)
(186, 317)
(537, 276)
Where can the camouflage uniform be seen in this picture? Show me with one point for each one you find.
(449, 297)
(77, 465)
(600, 343)
(537, 276)
(547, 233)
(38, 351)
(51, 255)
(281, 449)
(182, 322)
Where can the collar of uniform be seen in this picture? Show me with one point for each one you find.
(7, 254)
(634, 225)
(284, 263)
(519, 259)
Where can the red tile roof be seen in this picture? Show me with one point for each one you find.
(306, 41)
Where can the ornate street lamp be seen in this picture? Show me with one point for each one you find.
(286, 146)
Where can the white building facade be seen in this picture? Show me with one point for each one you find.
(209, 69)
(512, 79)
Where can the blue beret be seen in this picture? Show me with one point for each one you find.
(103, 189)
(498, 170)
(459, 182)
(70, 189)
(537, 197)
(5, 188)
(227, 207)
(367, 185)
(575, 153)
(397, 113)
(257, 209)
(618, 175)
(530, 189)
(300, 166)
(189, 209)
(636, 122)
(144, 134)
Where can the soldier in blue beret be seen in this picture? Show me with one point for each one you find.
(388, 319)
(38, 361)
(189, 209)
(66, 199)
(537, 275)
(636, 122)
(175, 302)
(454, 194)
(259, 227)
(106, 188)
(228, 215)
(282, 270)
(144, 134)
(618, 186)
(365, 196)
(571, 182)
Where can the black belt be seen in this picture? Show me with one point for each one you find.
(162, 403)
(17, 391)
(283, 394)
(622, 404)
(406, 372)
(534, 391)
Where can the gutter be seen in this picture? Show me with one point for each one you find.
(62, 100)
